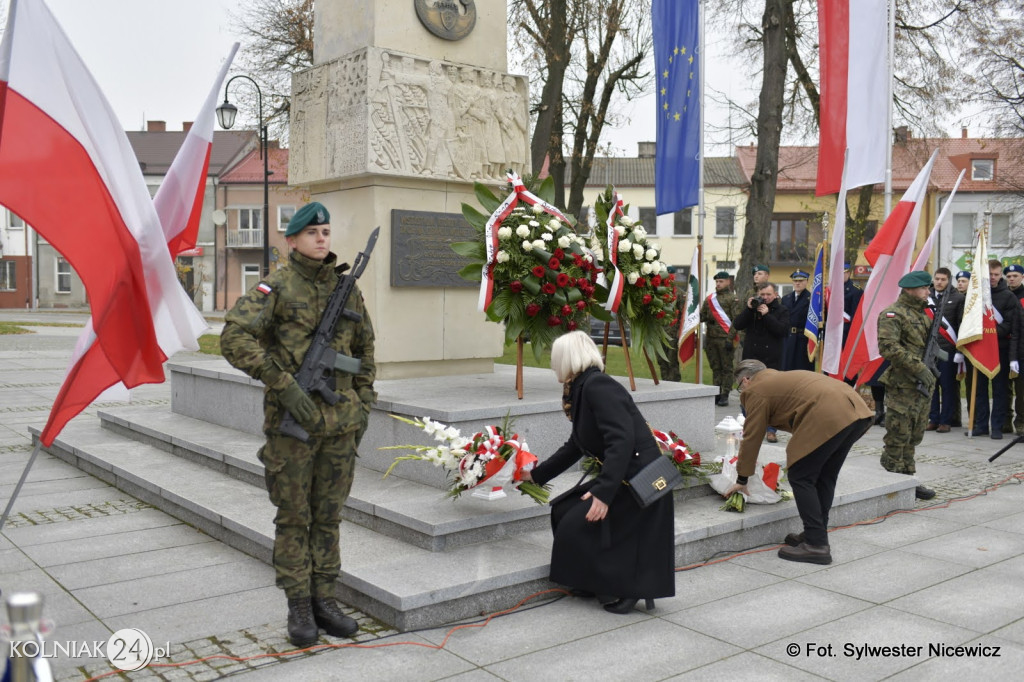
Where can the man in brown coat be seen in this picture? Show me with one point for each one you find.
(826, 417)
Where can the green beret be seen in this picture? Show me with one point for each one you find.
(917, 278)
(761, 268)
(722, 275)
(312, 213)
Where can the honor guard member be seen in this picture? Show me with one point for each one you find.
(1007, 312)
(902, 333)
(266, 335)
(717, 312)
(851, 299)
(794, 355)
(1014, 275)
(963, 278)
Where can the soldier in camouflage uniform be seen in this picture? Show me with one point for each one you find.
(902, 333)
(719, 309)
(266, 335)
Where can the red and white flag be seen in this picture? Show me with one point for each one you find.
(889, 254)
(67, 168)
(691, 320)
(853, 49)
(926, 251)
(977, 334)
(832, 341)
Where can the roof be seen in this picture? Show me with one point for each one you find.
(249, 169)
(156, 150)
(639, 172)
(798, 165)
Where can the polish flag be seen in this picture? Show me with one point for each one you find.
(853, 48)
(889, 254)
(832, 341)
(691, 320)
(926, 251)
(66, 168)
(976, 338)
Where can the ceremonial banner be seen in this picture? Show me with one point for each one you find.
(688, 325)
(977, 334)
(813, 323)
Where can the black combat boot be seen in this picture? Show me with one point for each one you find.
(302, 630)
(878, 394)
(329, 616)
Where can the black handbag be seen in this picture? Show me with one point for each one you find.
(654, 481)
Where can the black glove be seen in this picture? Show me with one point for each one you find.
(299, 404)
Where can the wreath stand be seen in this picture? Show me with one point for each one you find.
(625, 350)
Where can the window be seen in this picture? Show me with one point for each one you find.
(789, 239)
(249, 219)
(250, 276)
(963, 229)
(284, 216)
(649, 219)
(983, 169)
(999, 229)
(8, 275)
(682, 223)
(725, 221)
(63, 276)
(14, 222)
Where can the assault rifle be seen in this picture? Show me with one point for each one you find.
(932, 352)
(317, 370)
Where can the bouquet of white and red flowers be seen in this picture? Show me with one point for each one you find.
(495, 457)
(675, 448)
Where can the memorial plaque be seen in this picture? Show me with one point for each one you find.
(421, 249)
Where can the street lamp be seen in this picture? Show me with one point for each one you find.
(226, 113)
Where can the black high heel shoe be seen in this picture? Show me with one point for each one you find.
(624, 606)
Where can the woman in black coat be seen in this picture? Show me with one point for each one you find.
(605, 543)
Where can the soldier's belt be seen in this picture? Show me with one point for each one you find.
(794, 330)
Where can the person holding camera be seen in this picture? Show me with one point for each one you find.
(766, 323)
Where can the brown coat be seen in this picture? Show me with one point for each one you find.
(811, 406)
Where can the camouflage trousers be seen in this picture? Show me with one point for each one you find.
(721, 354)
(308, 483)
(906, 415)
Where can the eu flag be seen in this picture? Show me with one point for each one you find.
(813, 323)
(677, 61)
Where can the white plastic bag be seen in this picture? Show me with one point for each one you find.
(759, 492)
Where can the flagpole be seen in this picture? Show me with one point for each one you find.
(700, 189)
(825, 263)
(889, 89)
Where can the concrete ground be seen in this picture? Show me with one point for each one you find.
(928, 593)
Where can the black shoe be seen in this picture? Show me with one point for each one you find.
(794, 539)
(879, 418)
(302, 630)
(624, 606)
(329, 616)
(978, 432)
(808, 554)
(923, 493)
(723, 401)
(996, 435)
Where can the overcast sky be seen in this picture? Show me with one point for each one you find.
(156, 60)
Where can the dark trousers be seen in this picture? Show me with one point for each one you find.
(814, 477)
(946, 391)
(1000, 399)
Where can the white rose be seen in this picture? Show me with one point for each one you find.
(522, 231)
(632, 277)
(539, 244)
(527, 245)
(639, 231)
(638, 251)
(645, 269)
(564, 242)
(651, 254)
(502, 257)
(624, 246)
(547, 236)
(620, 230)
(538, 209)
(627, 221)
(504, 233)
(552, 224)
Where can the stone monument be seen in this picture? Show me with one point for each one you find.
(405, 108)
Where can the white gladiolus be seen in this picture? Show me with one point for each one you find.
(624, 246)
(502, 257)
(564, 242)
(651, 254)
(539, 244)
(504, 233)
(632, 277)
(522, 231)
(547, 236)
(638, 251)
(527, 245)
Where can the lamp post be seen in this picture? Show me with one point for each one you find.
(226, 113)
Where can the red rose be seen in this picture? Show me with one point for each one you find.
(566, 310)
(660, 314)
(516, 286)
(647, 299)
(581, 305)
(679, 457)
(656, 281)
(572, 281)
(572, 325)
(696, 458)
(554, 263)
(554, 321)
(532, 309)
(562, 280)
(578, 260)
(538, 271)
(548, 288)
(559, 254)
(641, 282)
(670, 278)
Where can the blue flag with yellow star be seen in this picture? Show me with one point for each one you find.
(677, 60)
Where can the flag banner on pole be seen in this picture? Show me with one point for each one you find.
(977, 334)
(889, 254)
(688, 325)
(833, 340)
(926, 251)
(813, 323)
(853, 40)
(677, 62)
(66, 168)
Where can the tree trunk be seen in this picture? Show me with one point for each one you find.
(557, 59)
(761, 201)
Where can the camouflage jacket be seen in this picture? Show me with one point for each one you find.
(731, 307)
(902, 332)
(267, 333)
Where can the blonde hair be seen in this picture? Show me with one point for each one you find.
(573, 353)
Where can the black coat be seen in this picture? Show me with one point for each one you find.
(795, 352)
(631, 553)
(1006, 304)
(765, 335)
(952, 302)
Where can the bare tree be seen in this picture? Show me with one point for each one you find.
(997, 50)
